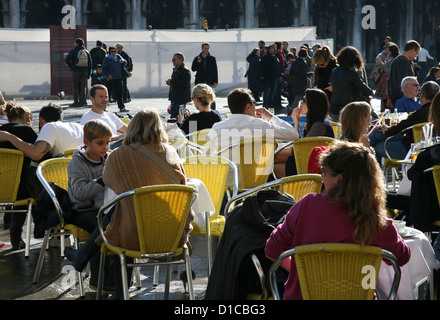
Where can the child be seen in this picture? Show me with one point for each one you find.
(98, 77)
(85, 186)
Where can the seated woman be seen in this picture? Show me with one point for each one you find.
(203, 96)
(125, 170)
(343, 212)
(315, 105)
(20, 124)
(355, 121)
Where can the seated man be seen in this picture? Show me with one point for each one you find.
(399, 146)
(55, 136)
(243, 124)
(410, 89)
(99, 98)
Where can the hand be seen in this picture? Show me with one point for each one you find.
(296, 113)
(168, 82)
(199, 59)
(215, 85)
(122, 61)
(263, 113)
(110, 77)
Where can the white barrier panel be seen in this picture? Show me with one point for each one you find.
(25, 58)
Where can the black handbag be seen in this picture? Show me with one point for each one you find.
(125, 72)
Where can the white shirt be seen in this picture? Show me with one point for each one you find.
(242, 126)
(62, 136)
(424, 55)
(109, 118)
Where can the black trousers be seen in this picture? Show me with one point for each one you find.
(115, 87)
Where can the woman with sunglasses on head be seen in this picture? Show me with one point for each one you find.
(325, 62)
(343, 213)
(315, 105)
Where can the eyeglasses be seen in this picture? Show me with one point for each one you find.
(416, 85)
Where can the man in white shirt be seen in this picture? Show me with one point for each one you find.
(246, 122)
(55, 136)
(99, 98)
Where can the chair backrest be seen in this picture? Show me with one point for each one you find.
(300, 185)
(69, 153)
(418, 131)
(200, 137)
(161, 215)
(337, 129)
(337, 271)
(256, 159)
(213, 172)
(11, 164)
(303, 147)
(55, 170)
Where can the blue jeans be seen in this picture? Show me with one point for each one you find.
(175, 110)
(395, 147)
(268, 97)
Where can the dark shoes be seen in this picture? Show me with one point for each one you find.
(18, 246)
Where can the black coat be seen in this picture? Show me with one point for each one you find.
(424, 204)
(347, 87)
(298, 76)
(271, 69)
(255, 72)
(180, 86)
(206, 70)
(246, 231)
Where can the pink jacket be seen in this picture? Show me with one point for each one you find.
(314, 220)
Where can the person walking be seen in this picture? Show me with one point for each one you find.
(205, 66)
(129, 66)
(112, 69)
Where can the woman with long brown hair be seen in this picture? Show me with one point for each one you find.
(351, 209)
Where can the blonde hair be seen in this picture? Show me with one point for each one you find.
(360, 189)
(352, 119)
(96, 128)
(15, 112)
(146, 127)
(204, 93)
(323, 55)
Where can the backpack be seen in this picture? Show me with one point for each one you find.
(82, 59)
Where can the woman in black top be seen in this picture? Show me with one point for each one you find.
(325, 62)
(315, 105)
(20, 124)
(202, 96)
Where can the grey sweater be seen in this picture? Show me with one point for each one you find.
(85, 186)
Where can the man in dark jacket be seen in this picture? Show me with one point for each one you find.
(126, 94)
(205, 66)
(270, 66)
(400, 68)
(80, 63)
(180, 84)
(298, 78)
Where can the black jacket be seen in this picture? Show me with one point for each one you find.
(246, 231)
(347, 87)
(206, 70)
(298, 76)
(71, 60)
(424, 204)
(271, 69)
(400, 68)
(255, 72)
(180, 86)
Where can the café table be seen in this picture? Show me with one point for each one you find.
(417, 271)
